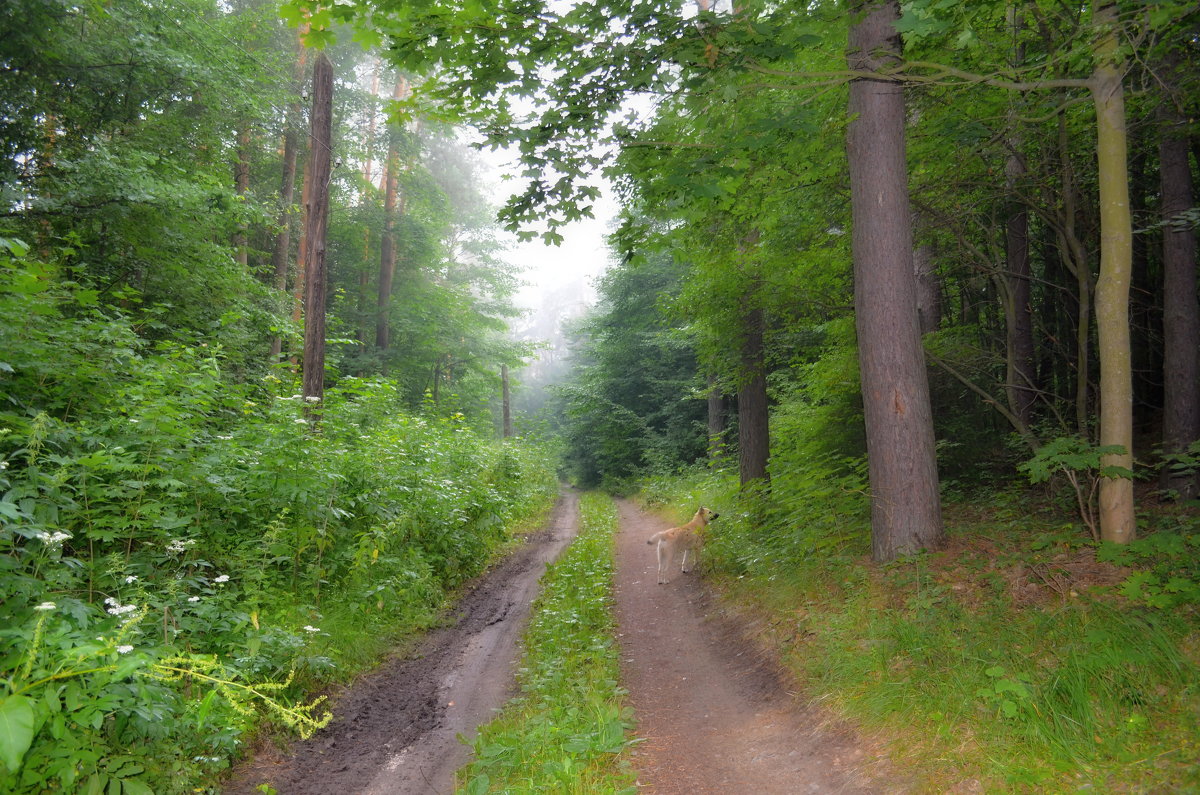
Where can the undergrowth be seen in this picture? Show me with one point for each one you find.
(186, 556)
(566, 729)
(1023, 657)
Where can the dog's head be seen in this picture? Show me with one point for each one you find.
(705, 515)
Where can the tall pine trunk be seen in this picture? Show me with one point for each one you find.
(754, 438)
(1181, 312)
(387, 247)
(1021, 378)
(318, 217)
(905, 503)
(1074, 257)
(287, 195)
(506, 424)
(716, 419)
(1117, 522)
(241, 182)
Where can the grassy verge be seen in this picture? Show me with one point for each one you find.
(566, 730)
(168, 597)
(1016, 659)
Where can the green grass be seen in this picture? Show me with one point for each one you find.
(956, 665)
(566, 730)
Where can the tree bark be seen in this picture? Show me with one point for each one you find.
(506, 403)
(905, 502)
(1074, 257)
(387, 247)
(1021, 381)
(287, 195)
(716, 419)
(318, 216)
(928, 291)
(241, 181)
(1117, 523)
(754, 437)
(1181, 311)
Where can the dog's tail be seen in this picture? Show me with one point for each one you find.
(654, 538)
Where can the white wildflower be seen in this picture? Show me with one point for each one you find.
(124, 649)
(132, 578)
(310, 628)
(44, 606)
(224, 438)
(131, 419)
(193, 598)
(222, 578)
(117, 609)
(313, 399)
(300, 422)
(3, 465)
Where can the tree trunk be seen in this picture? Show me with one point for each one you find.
(302, 247)
(1181, 312)
(716, 419)
(241, 181)
(506, 403)
(929, 292)
(1074, 257)
(1117, 522)
(287, 195)
(1021, 380)
(369, 165)
(754, 437)
(905, 503)
(387, 247)
(318, 216)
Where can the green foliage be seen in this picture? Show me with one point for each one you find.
(1167, 563)
(1082, 465)
(175, 543)
(565, 731)
(633, 403)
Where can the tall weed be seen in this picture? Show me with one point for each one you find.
(183, 555)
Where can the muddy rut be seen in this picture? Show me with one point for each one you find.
(394, 731)
(714, 715)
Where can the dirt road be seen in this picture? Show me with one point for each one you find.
(394, 731)
(715, 716)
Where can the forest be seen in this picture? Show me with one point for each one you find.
(907, 289)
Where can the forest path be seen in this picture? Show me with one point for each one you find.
(395, 730)
(715, 715)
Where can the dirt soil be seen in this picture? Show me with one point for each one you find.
(394, 731)
(716, 715)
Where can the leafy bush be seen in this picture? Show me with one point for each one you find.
(1080, 463)
(182, 554)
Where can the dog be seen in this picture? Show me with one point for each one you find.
(688, 537)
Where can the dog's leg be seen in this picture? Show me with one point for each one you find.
(664, 564)
(683, 567)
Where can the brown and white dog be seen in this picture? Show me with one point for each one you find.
(688, 538)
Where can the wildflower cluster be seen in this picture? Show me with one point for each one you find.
(117, 609)
(180, 545)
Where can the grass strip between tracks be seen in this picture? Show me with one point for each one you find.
(567, 728)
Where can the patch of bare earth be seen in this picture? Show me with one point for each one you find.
(394, 730)
(716, 714)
